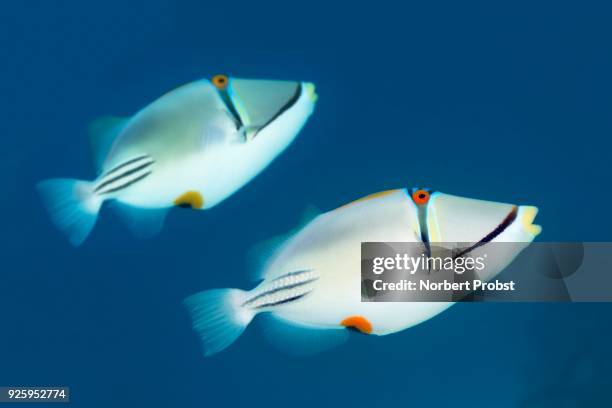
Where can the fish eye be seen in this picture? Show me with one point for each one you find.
(420, 196)
(220, 81)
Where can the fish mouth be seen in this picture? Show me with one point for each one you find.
(310, 91)
(528, 215)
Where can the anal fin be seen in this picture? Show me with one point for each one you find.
(142, 222)
(301, 340)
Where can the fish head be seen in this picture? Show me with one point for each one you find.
(262, 107)
(499, 231)
(452, 218)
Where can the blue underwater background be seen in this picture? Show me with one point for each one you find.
(507, 101)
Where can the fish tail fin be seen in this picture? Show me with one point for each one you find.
(219, 317)
(72, 205)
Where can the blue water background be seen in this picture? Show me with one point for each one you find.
(507, 101)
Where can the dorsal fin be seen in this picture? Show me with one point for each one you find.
(310, 213)
(260, 254)
(102, 133)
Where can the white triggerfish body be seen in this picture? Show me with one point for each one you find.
(313, 279)
(193, 147)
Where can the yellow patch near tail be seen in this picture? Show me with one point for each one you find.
(191, 199)
(369, 197)
(358, 322)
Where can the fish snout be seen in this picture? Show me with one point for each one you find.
(259, 103)
(527, 214)
(310, 91)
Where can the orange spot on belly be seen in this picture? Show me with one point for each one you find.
(358, 322)
(191, 199)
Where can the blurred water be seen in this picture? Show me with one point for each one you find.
(508, 102)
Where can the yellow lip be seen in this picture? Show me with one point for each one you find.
(529, 214)
(310, 91)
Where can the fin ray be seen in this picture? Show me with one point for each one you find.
(218, 317)
(72, 206)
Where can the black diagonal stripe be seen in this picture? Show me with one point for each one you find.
(122, 165)
(229, 104)
(423, 227)
(287, 275)
(122, 175)
(286, 106)
(491, 235)
(281, 302)
(129, 183)
(276, 290)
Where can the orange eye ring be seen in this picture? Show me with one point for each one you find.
(420, 197)
(220, 81)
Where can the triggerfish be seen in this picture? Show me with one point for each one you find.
(312, 279)
(192, 147)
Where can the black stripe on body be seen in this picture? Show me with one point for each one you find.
(127, 163)
(129, 183)
(229, 104)
(287, 275)
(121, 176)
(284, 301)
(491, 235)
(276, 290)
(422, 216)
(424, 228)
